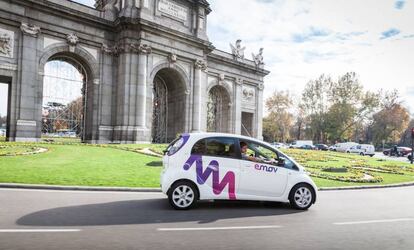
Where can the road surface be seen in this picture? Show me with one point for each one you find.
(352, 219)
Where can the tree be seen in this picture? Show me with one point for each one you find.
(277, 124)
(390, 123)
(315, 104)
(334, 108)
(406, 135)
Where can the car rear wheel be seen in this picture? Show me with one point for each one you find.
(301, 196)
(183, 195)
(362, 154)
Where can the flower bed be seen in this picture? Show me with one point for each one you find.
(16, 150)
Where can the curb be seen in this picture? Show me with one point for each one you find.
(405, 184)
(125, 189)
(77, 188)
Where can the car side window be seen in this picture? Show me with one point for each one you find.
(259, 153)
(222, 147)
(199, 147)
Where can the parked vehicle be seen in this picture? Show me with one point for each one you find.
(279, 145)
(2, 132)
(332, 147)
(344, 146)
(401, 151)
(362, 149)
(211, 166)
(298, 144)
(308, 147)
(322, 147)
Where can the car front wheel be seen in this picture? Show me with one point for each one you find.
(301, 196)
(183, 195)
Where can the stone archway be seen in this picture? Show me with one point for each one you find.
(218, 110)
(88, 68)
(169, 116)
(64, 98)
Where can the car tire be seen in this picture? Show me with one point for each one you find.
(361, 154)
(183, 195)
(302, 196)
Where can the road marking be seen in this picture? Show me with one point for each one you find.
(39, 230)
(216, 228)
(373, 221)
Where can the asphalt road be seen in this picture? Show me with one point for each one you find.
(353, 219)
(380, 155)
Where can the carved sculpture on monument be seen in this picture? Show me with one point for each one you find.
(5, 45)
(201, 64)
(172, 58)
(31, 30)
(237, 50)
(248, 94)
(145, 49)
(258, 59)
(72, 40)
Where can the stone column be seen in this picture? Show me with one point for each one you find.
(144, 51)
(29, 117)
(143, 133)
(126, 93)
(259, 103)
(237, 106)
(199, 84)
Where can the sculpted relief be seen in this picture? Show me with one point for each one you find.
(6, 43)
(248, 94)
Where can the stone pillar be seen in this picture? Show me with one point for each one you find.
(122, 130)
(237, 106)
(259, 103)
(29, 123)
(198, 87)
(144, 51)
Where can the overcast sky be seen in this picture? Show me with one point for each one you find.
(305, 38)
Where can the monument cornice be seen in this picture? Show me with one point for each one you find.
(68, 13)
(242, 65)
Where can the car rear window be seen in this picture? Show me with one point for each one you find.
(217, 146)
(177, 144)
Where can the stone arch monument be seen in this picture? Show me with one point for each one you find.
(149, 67)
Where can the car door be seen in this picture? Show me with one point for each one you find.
(218, 170)
(262, 178)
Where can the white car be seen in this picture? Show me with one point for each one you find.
(279, 145)
(210, 166)
(344, 146)
(362, 149)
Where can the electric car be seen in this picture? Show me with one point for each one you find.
(217, 166)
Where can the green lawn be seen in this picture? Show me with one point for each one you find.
(82, 165)
(120, 165)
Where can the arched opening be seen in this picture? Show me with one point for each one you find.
(218, 110)
(5, 83)
(64, 99)
(169, 105)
